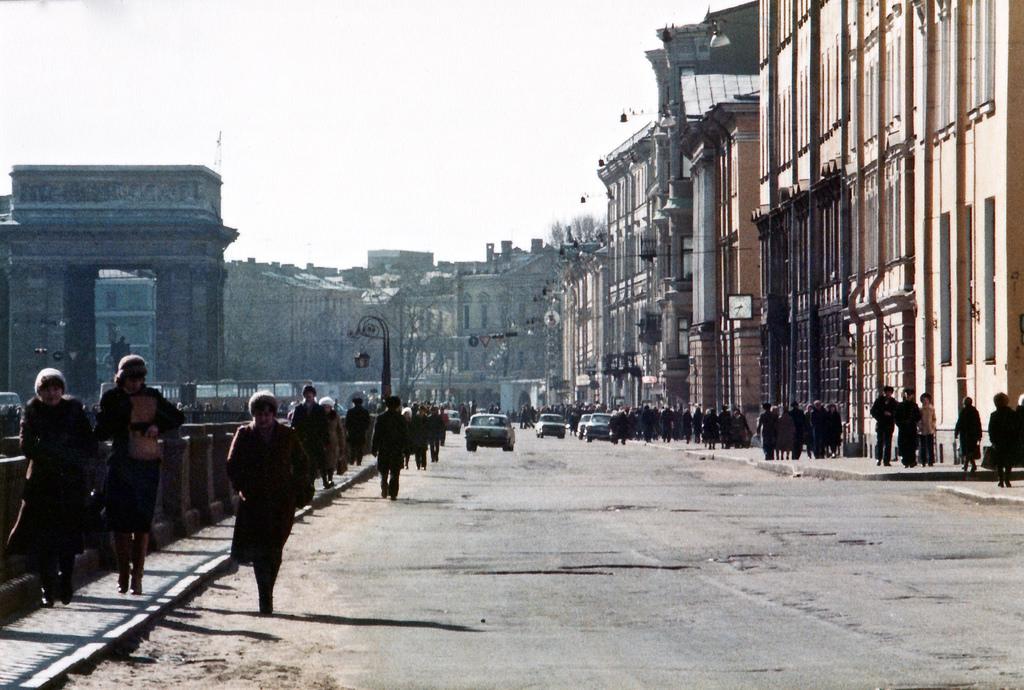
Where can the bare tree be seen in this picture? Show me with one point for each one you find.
(581, 229)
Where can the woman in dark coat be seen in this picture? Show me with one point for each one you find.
(57, 439)
(133, 416)
(1004, 433)
(968, 430)
(710, 431)
(272, 475)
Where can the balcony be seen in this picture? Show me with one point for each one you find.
(650, 328)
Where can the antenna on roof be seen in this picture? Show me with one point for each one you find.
(217, 158)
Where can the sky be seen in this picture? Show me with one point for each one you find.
(345, 125)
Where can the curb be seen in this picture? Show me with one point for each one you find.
(92, 652)
(976, 496)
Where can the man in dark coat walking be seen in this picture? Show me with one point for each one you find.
(698, 424)
(883, 410)
(310, 422)
(768, 428)
(390, 439)
(357, 423)
(819, 429)
(799, 428)
(906, 417)
(686, 424)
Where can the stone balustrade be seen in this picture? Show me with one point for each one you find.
(194, 491)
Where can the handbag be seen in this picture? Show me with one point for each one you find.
(141, 446)
(94, 516)
(987, 462)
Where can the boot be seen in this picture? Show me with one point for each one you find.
(139, 547)
(122, 551)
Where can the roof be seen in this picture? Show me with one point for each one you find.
(702, 92)
(628, 144)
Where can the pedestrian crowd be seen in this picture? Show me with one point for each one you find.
(273, 465)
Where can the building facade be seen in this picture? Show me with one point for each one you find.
(725, 343)
(966, 194)
(803, 216)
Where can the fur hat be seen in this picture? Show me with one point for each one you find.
(262, 399)
(48, 376)
(130, 366)
(327, 400)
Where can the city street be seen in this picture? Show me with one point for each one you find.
(567, 564)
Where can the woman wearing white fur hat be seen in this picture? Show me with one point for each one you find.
(57, 440)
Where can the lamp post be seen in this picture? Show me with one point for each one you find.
(376, 328)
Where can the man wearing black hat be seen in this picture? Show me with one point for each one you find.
(357, 423)
(884, 412)
(310, 422)
(390, 439)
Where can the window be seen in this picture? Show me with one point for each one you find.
(947, 57)
(687, 267)
(483, 316)
(111, 299)
(683, 328)
(945, 292)
(969, 291)
(982, 13)
(989, 279)
(465, 316)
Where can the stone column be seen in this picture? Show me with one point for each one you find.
(189, 323)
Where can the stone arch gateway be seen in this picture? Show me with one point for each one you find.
(64, 224)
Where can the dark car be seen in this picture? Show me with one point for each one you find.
(598, 427)
(454, 421)
(551, 425)
(492, 430)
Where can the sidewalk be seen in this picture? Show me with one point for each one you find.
(39, 648)
(860, 469)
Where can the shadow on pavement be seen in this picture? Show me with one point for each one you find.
(345, 620)
(199, 630)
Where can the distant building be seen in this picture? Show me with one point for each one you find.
(508, 330)
(398, 260)
(283, 322)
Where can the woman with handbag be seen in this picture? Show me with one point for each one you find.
(272, 475)
(133, 416)
(968, 431)
(57, 440)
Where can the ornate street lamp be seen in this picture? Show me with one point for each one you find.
(376, 328)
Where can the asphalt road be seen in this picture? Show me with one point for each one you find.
(571, 565)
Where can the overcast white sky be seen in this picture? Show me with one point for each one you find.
(431, 125)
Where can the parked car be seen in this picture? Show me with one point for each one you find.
(8, 399)
(551, 425)
(454, 421)
(581, 427)
(599, 427)
(492, 430)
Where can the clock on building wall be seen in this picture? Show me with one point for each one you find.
(740, 307)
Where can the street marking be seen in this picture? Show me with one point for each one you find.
(182, 586)
(125, 627)
(50, 672)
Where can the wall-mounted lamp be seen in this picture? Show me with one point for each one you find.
(718, 39)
